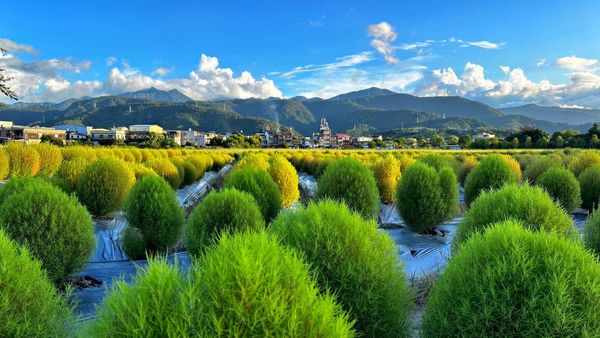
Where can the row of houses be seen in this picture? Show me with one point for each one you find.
(137, 133)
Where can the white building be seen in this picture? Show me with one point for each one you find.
(483, 136)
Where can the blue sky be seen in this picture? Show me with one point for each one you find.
(502, 52)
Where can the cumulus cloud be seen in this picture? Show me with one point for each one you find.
(575, 63)
(45, 80)
(383, 35)
(162, 71)
(582, 90)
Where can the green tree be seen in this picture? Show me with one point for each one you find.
(594, 142)
(453, 139)
(528, 143)
(559, 142)
(515, 142)
(4, 88)
(437, 140)
(465, 141)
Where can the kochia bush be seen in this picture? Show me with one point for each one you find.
(270, 287)
(29, 304)
(24, 160)
(154, 210)
(589, 181)
(166, 169)
(348, 180)
(510, 282)
(50, 158)
(286, 177)
(53, 226)
(4, 164)
(355, 261)
(69, 172)
(538, 167)
(562, 185)
(491, 173)
(104, 185)
(591, 233)
(227, 211)
(584, 160)
(387, 174)
(528, 204)
(261, 186)
(426, 197)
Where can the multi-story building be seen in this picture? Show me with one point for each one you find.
(190, 137)
(342, 140)
(203, 139)
(35, 134)
(483, 136)
(76, 132)
(142, 132)
(324, 138)
(101, 135)
(176, 135)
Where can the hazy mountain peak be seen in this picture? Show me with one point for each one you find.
(154, 93)
(359, 94)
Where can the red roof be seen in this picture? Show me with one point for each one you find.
(342, 135)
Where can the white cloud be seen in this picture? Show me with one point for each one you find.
(383, 35)
(450, 41)
(575, 63)
(541, 62)
(162, 71)
(14, 47)
(340, 62)
(111, 60)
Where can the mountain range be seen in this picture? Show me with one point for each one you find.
(368, 111)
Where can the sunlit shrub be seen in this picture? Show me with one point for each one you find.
(514, 166)
(151, 306)
(591, 233)
(104, 185)
(153, 209)
(166, 169)
(528, 204)
(253, 272)
(286, 177)
(387, 174)
(69, 172)
(261, 186)
(24, 160)
(349, 181)
(355, 261)
(54, 227)
(4, 164)
(584, 160)
(29, 304)
(227, 211)
(426, 197)
(491, 173)
(589, 181)
(50, 158)
(562, 185)
(468, 164)
(510, 282)
(538, 167)
(19, 184)
(253, 160)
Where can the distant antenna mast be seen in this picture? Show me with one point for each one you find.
(444, 116)
(130, 109)
(417, 119)
(94, 104)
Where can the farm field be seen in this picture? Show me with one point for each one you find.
(123, 241)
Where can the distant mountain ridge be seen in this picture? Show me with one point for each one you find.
(372, 110)
(555, 114)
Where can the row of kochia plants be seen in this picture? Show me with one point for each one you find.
(519, 266)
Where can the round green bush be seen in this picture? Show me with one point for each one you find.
(154, 210)
(435, 161)
(53, 226)
(584, 160)
(50, 158)
(348, 180)
(267, 290)
(192, 173)
(562, 185)
(29, 303)
(69, 172)
(152, 306)
(166, 169)
(286, 177)
(510, 282)
(261, 186)
(19, 184)
(104, 185)
(4, 164)
(525, 203)
(468, 164)
(24, 160)
(178, 162)
(355, 261)
(387, 174)
(491, 173)
(538, 167)
(225, 211)
(426, 197)
(591, 233)
(589, 182)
